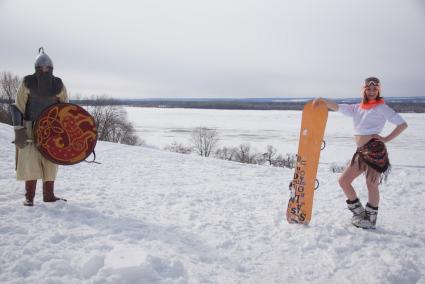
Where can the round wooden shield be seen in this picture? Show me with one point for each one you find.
(65, 134)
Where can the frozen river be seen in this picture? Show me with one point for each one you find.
(259, 128)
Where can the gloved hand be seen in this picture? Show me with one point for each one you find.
(20, 137)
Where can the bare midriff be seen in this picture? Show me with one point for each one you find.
(362, 139)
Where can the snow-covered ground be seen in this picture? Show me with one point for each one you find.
(150, 216)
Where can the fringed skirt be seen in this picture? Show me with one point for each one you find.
(373, 159)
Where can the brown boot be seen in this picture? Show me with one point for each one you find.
(30, 186)
(48, 194)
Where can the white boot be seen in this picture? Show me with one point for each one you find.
(359, 214)
(371, 215)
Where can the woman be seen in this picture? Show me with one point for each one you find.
(371, 157)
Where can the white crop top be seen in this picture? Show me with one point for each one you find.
(370, 121)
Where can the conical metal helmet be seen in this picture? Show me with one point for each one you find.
(43, 60)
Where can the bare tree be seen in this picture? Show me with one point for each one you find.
(9, 85)
(288, 161)
(111, 122)
(204, 140)
(226, 153)
(243, 154)
(269, 156)
(291, 160)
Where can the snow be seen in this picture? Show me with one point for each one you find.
(150, 216)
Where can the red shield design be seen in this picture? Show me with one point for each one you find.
(65, 134)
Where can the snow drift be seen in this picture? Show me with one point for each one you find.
(149, 216)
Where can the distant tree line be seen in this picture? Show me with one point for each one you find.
(400, 106)
(408, 107)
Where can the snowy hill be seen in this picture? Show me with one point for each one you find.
(148, 216)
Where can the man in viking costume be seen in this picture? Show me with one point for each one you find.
(36, 92)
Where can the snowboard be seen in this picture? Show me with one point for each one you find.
(313, 123)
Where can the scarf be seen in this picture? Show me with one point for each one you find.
(371, 104)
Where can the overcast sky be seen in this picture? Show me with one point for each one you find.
(219, 48)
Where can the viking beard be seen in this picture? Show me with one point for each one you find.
(44, 82)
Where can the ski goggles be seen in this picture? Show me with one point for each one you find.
(372, 81)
